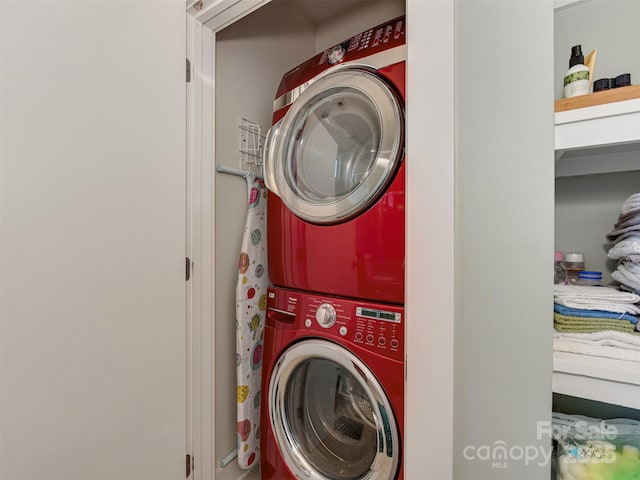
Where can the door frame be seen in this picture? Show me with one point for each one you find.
(430, 237)
(200, 388)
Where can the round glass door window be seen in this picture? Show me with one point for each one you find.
(330, 417)
(337, 147)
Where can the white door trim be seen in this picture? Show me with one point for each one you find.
(201, 228)
(200, 240)
(429, 309)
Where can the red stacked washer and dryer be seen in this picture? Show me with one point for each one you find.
(333, 367)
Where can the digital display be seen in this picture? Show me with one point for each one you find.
(378, 314)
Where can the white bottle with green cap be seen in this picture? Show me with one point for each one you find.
(576, 81)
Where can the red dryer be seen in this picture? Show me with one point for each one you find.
(332, 388)
(334, 167)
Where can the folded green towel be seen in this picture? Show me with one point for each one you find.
(588, 329)
(567, 323)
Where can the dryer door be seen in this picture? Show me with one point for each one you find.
(337, 148)
(330, 416)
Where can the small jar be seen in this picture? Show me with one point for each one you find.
(574, 263)
(559, 272)
(590, 277)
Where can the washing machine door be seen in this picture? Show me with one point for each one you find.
(330, 417)
(337, 147)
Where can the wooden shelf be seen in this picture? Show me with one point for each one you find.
(598, 98)
(597, 378)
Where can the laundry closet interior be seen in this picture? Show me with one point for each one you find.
(251, 56)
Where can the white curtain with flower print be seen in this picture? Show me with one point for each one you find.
(251, 306)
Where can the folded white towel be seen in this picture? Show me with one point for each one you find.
(571, 346)
(596, 298)
(624, 277)
(608, 294)
(626, 247)
(605, 338)
(630, 266)
(631, 203)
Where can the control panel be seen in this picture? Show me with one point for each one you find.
(377, 327)
(378, 38)
(383, 37)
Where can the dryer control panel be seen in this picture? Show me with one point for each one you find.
(377, 327)
(384, 37)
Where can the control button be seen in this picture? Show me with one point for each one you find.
(394, 343)
(343, 330)
(308, 323)
(382, 341)
(358, 336)
(326, 315)
(370, 338)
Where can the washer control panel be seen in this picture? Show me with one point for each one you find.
(377, 327)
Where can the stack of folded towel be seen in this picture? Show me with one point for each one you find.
(599, 321)
(578, 320)
(626, 249)
(606, 343)
(608, 299)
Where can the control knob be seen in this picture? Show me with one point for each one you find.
(326, 315)
(336, 54)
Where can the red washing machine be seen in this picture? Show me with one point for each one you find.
(332, 388)
(334, 166)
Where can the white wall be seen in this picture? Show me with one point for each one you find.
(504, 233)
(611, 26)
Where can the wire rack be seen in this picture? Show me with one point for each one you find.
(251, 141)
